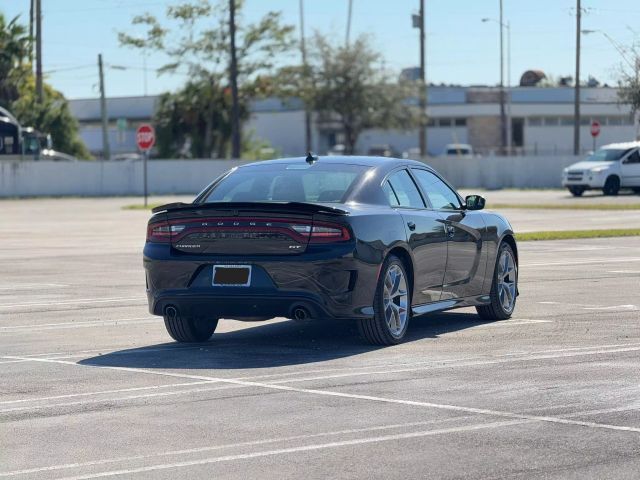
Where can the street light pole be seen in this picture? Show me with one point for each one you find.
(235, 110)
(39, 81)
(349, 23)
(106, 154)
(503, 115)
(305, 79)
(576, 104)
(507, 115)
(423, 88)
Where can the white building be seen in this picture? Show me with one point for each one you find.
(541, 121)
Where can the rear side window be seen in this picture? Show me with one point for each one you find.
(405, 190)
(634, 157)
(440, 195)
(298, 182)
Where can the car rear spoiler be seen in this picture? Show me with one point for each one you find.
(301, 207)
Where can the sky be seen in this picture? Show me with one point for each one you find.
(461, 49)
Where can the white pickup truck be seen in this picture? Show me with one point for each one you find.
(609, 169)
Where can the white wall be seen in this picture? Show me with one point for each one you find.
(47, 178)
(503, 172)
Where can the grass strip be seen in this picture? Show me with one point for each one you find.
(565, 206)
(140, 206)
(573, 234)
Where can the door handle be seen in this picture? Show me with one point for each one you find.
(411, 225)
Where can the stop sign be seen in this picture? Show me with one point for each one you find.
(145, 137)
(595, 128)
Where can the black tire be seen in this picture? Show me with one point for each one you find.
(376, 330)
(577, 191)
(495, 309)
(611, 186)
(636, 189)
(189, 329)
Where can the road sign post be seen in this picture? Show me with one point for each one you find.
(145, 138)
(595, 131)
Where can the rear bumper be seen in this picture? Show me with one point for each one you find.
(334, 287)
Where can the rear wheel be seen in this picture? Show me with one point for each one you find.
(576, 191)
(636, 189)
(186, 329)
(391, 305)
(611, 186)
(504, 288)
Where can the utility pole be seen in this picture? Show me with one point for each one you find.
(576, 100)
(31, 32)
(106, 153)
(349, 22)
(423, 88)
(235, 112)
(305, 79)
(503, 115)
(39, 84)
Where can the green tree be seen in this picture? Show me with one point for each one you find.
(18, 93)
(345, 85)
(15, 45)
(52, 116)
(629, 82)
(194, 36)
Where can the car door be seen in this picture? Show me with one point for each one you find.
(466, 255)
(630, 170)
(425, 235)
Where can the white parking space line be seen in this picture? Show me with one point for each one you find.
(305, 375)
(582, 262)
(80, 301)
(264, 453)
(32, 286)
(103, 392)
(613, 307)
(266, 441)
(371, 398)
(81, 324)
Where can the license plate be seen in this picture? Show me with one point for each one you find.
(231, 275)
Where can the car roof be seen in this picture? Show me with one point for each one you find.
(384, 163)
(621, 146)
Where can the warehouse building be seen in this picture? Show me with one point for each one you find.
(541, 121)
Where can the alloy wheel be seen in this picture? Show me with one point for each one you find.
(507, 281)
(395, 298)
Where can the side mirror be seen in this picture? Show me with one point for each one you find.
(474, 202)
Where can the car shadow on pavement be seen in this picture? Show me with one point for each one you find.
(277, 344)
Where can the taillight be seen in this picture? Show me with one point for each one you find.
(161, 232)
(329, 233)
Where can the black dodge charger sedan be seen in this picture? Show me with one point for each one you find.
(376, 240)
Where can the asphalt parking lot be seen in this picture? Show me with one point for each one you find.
(92, 387)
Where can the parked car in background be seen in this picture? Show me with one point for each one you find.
(370, 239)
(53, 155)
(463, 150)
(611, 168)
(381, 151)
(336, 150)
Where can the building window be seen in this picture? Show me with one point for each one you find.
(444, 122)
(615, 121)
(566, 121)
(586, 120)
(535, 121)
(460, 122)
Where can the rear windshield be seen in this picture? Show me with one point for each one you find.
(607, 155)
(300, 182)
